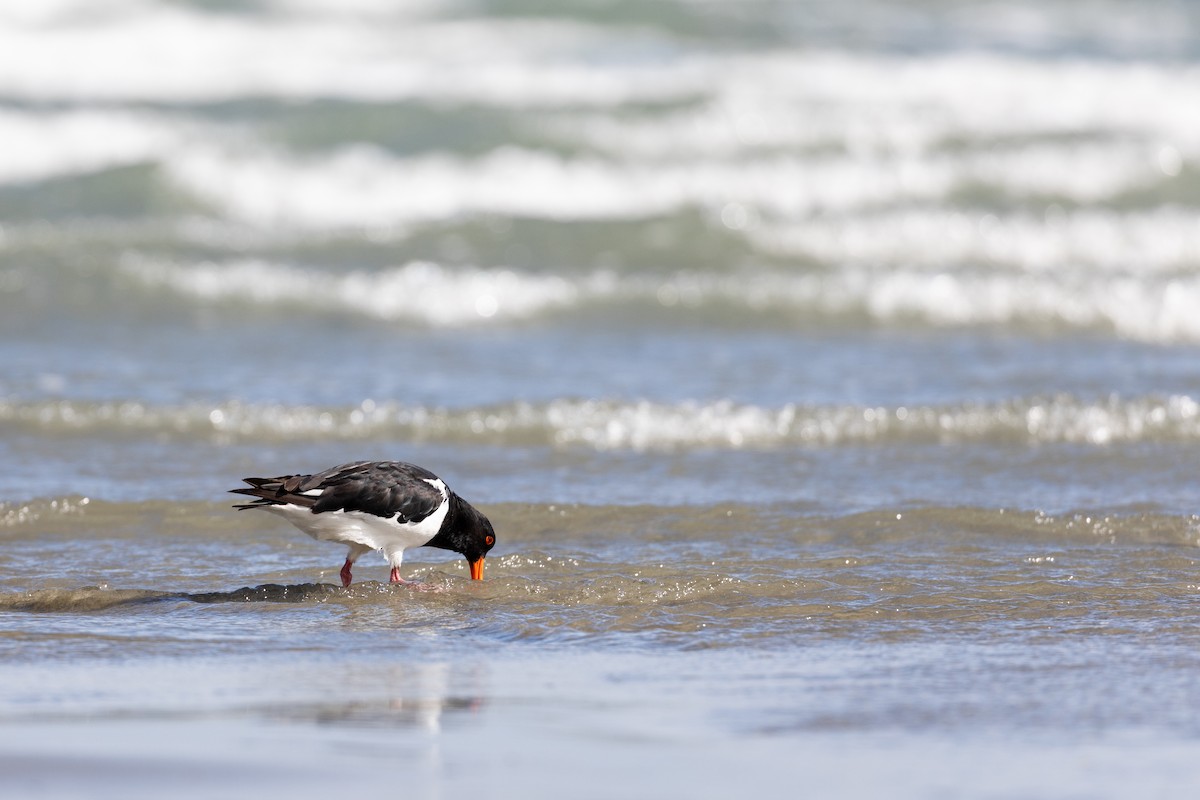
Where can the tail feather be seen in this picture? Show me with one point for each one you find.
(271, 492)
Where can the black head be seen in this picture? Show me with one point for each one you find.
(468, 532)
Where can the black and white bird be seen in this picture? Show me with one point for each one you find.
(377, 505)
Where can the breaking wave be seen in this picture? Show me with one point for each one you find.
(1144, 307)
(643, 425)
(358, 185)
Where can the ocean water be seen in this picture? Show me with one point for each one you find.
(830, 371)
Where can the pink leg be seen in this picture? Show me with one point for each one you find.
(413, 585)
(345, 573)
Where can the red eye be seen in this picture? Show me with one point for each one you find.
(489, 540)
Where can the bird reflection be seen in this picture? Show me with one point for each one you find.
(417, 696)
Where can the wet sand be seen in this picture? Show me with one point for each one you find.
(849, 721)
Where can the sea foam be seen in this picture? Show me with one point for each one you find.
(417, 292)
(644, 424)
(1157, 308)
(365, 186)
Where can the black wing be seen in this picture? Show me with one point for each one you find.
(383, 488)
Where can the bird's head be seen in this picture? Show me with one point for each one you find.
(468, 532)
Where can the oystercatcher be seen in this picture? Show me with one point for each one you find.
(377, 505)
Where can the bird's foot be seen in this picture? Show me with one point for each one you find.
(345, 573)
(416, 586)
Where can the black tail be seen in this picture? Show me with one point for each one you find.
(269, 491)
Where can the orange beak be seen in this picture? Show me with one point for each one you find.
(476, 569)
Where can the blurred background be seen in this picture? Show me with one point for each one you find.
(829, 369)
(576, 247)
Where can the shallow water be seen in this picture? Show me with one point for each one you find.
(828, 371)
(709, 647)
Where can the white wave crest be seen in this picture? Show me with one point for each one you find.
(364, 186)
(877, 104)
(370, 53)
(645, 425)
(1133, 307)
(417, 292)
(47, 144)
(1159, 241)
(641, 425)
(1156, 308)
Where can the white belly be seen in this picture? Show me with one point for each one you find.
(364, 531)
